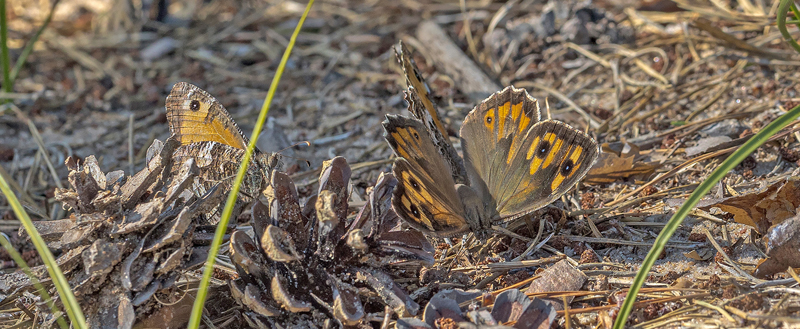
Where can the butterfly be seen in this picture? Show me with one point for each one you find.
(207, 133)
(514, 162)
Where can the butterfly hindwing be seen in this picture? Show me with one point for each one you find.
(425, 194)
(553, 158)
(218, 163)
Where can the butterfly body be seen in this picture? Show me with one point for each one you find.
(207, 133)
(515, 163)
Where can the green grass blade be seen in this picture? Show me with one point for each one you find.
(62, 285)
(197, 308)
(783, 8)
(25, 268)
(796, 14)
(5, 58)
(661, 241)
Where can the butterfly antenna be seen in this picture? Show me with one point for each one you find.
(307, 143)
(547, 107)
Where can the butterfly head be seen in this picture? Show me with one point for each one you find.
(267, 163)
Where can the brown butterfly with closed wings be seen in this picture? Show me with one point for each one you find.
(515, 162)
(207, 133)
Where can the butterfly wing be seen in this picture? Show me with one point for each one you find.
(218, 164)
(208, 134)
(196, 116)
(520, 163)
(492, 134)
(421, 106)
(425, 195)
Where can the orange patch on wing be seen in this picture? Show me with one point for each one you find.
(516, 109)
(554, 148)
(576, 154)
(535, 165)
(489, 120)
(524, 120)
(502, 113)
(194, 128)
(402, 146)
(557, 181)
(421, 196)
(532, 149)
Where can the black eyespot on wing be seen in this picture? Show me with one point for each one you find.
(194, 105)
(566, 169)
(488, 119)
(414, 210)
(542, 149)
(414, 184)
(416, 135)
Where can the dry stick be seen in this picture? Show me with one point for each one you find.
(467, 29)
(716, 308)
(693, 161)
(647, 94)
(636, 103)
(635, 305)
(705, 25)
(130, 143)
(589, 54)
(739, 270)
(662, 107)
(647, 69)
(726, 77)
(687, 37)
(592, 122)
(720, 92)
(446, 55)
(732, 115)
(678, 65)
(39, 142)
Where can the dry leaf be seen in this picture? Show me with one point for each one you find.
(784, 241)
(706, 254)
(763, 209)
(617, 162)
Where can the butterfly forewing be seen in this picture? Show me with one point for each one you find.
(492, 135)
(425, 194)
(421, 106)
(424, 207)
(196, 116)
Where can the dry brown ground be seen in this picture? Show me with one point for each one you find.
(662, 81)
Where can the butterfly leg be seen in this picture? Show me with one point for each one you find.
(466, 240)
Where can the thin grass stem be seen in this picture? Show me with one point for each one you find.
(202, 292)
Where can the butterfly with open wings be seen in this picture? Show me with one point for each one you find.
(515, 162)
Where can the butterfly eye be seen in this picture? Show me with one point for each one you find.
(194, 106)
(566, 169)
(543, 149)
